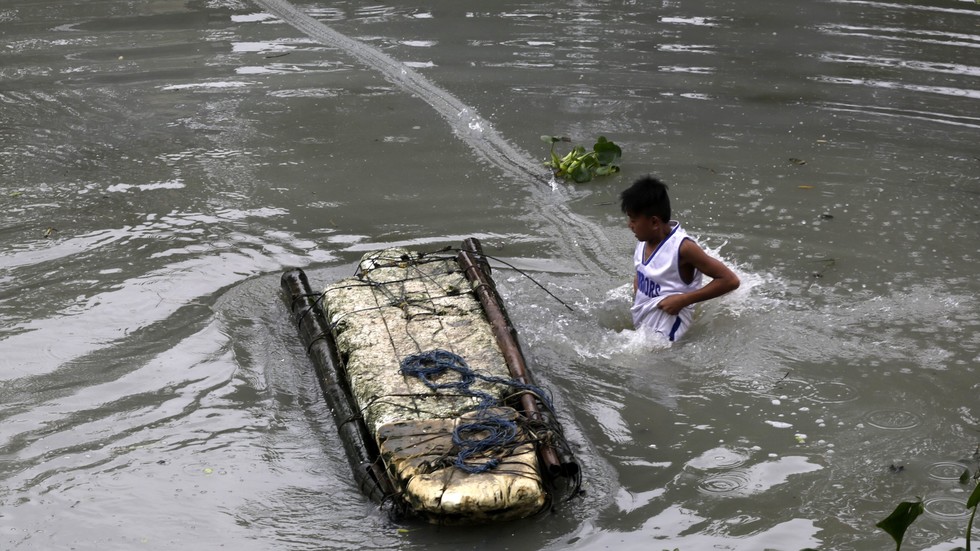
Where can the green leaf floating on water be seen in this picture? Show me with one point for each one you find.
(901, 518)
(581, 165)
(974, 499)
(607, 153)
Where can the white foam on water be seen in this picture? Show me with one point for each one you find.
(252, 17)
(169, 184)
(221, 84)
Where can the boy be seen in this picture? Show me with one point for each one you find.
(669, 264)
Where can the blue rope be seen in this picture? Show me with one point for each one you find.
(466, 436)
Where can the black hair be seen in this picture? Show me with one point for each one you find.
(647, 197)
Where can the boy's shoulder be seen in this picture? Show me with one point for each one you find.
(689, 249)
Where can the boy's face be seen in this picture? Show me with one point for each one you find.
(646, 228)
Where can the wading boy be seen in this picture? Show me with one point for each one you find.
(669, 264)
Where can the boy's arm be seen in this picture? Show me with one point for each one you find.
(723, 280)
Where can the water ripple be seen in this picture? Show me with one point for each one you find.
(718, 458)
(892, 419)
(909, 6)
(905, 86)
(833, 393)
(946, 470)
(953, 119)
(946, 508)
(725, 483)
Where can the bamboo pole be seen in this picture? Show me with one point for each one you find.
(362, 451)
(477, 271)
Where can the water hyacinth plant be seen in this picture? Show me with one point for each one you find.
(581, 165)
(905, 514)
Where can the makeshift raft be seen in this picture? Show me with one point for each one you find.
(422, 368)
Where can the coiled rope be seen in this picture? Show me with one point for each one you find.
(489, 432)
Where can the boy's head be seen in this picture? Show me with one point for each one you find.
(646, 197)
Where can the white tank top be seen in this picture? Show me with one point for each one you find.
(658, 276)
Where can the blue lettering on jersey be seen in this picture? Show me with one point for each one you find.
(647, 286)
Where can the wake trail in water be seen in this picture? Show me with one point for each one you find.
(580, 238)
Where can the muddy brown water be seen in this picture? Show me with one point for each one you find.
(163, 162)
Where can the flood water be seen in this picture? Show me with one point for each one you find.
(162, 162)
